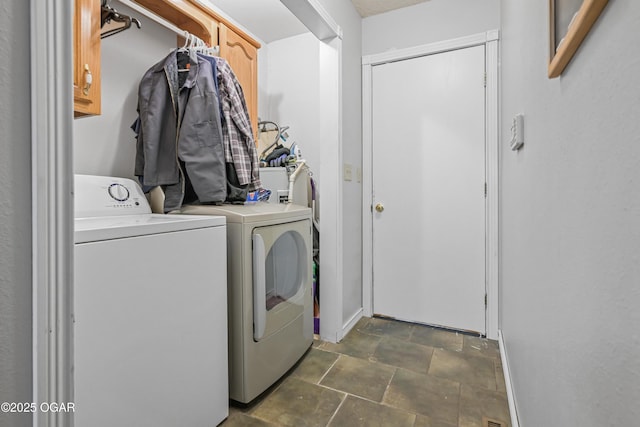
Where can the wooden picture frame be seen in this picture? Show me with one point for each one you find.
(565, 37)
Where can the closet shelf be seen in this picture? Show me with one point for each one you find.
(194, 17)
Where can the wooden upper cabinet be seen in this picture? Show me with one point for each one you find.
(86, 58)
(243, 59)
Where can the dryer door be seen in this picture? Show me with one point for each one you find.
(281, 275)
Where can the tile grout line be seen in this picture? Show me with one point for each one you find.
(495, 374)
(459, 401)
(386, 389)
(433, 351)
(330, 368)
(338, 408)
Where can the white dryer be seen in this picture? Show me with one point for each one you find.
(150, 311)
(269, 287)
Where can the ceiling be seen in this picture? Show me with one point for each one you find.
(270, 20)
(374, 7)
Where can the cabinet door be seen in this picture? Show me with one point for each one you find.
(86, 59)
(243, 58)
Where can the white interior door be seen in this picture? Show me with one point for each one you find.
(428, 162)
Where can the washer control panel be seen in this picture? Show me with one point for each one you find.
(97, 196)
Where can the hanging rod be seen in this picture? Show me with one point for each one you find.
(153, 17)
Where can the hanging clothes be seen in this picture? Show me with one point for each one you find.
(180, 142)
(214, 69)
(240, 150)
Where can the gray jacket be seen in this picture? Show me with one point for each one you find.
(180, 131)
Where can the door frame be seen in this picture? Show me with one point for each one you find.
(52, 207)
(490, 40)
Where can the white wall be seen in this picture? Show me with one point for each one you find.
(571, 220)
(291, 93)
(105, 144)
(428, 22)
(15, 210)
(346, 16)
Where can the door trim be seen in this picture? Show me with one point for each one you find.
(52, 208)
(490, 40)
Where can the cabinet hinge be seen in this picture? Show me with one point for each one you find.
(485, 300)
(485, 79)
(485, 190)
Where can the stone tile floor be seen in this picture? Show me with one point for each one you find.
(387, 373)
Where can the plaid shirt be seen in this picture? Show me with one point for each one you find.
(237, 135)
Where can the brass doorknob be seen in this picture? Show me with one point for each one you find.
(379, 207)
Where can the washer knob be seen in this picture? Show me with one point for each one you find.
(119, 192)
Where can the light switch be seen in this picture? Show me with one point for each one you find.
(517, 132)
(358, 175)
(348, 172)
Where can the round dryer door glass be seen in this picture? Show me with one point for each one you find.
(281, 275)
(285, 268)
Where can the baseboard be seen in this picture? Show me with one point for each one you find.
(507, 380)
(351, 322)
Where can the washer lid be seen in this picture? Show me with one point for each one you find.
(118, 227)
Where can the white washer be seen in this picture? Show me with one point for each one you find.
(150, 311)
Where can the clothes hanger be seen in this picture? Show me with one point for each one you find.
(201, 47)
(114, 20)
(188, 41)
